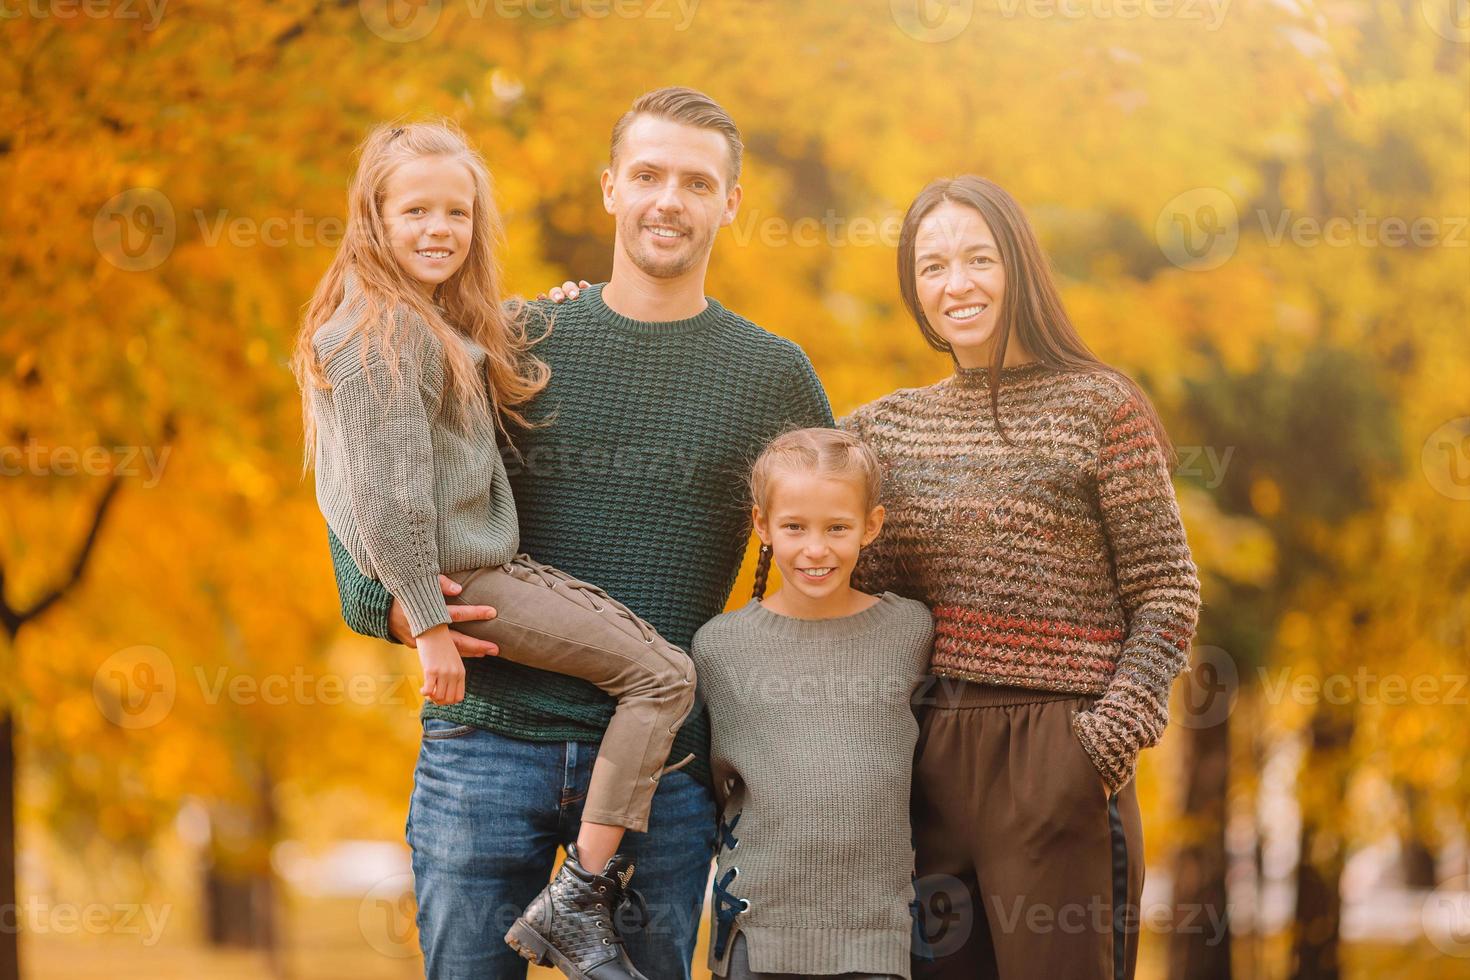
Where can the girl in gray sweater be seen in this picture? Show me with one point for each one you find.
(813, 733)
(407, 362)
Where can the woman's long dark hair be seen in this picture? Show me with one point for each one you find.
(1031, 309)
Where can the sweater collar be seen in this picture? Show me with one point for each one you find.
(842, 627)
(707, 317)
(964, 377)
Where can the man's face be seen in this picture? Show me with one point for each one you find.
(670, 192)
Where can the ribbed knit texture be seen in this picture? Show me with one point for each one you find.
(813, 740)
(1058, 562)
(408, 493)
(638, 486)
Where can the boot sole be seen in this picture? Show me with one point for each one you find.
(531, 946)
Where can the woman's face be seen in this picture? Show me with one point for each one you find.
(960, 280)
(428, 210)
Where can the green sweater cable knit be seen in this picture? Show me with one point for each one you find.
(637, 484)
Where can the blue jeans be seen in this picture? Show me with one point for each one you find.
(487, 815)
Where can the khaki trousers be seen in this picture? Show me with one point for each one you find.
(548, 620)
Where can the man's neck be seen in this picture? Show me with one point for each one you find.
(633, 293)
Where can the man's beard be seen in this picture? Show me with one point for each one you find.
(660, 266)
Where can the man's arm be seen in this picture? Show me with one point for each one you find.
(365, 603)
(809, 406)
(367, 608)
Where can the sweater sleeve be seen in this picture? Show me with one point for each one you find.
(1159, 589)
(365, 603)
(388, 451)
(808, 399)
(876, 571)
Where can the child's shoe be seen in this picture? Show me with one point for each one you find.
(570, 924)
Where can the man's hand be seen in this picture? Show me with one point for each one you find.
(567, 290)
(468, 646)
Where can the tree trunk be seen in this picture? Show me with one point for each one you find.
(1419, 856)
(14, 618)
(10, 920)
(1200, 898)
(1314, 951)
(1318, 920)
(239, 887)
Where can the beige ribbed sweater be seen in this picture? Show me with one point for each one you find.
(408, 493)
(812, 747)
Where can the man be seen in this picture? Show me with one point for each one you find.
(658, 401)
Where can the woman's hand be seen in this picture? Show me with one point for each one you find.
(443, 667)
(567, 290)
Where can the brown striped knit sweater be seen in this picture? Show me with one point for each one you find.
(1058, 562)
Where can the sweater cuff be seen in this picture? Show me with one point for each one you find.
(423, 604)
(1111, 751)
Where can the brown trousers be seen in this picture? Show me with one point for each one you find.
(1026, 867)
(548, 620)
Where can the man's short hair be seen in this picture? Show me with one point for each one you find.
(686, 106)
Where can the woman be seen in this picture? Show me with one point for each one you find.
(1030, 506)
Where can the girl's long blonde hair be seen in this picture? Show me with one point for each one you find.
(832, 453)
(470, 299)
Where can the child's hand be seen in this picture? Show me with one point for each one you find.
(443, 667)
(567, 290)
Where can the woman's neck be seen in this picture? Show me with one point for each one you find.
(979, 357)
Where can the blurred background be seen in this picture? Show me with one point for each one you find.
(1258, 208)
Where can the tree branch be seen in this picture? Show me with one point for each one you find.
(13, 619)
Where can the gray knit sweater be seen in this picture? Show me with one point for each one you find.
(409, 493)
(812, 746)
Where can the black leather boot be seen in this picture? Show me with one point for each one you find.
(571, 924)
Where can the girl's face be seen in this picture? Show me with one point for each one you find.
(428, 210)
(960, 280)
(816, 526)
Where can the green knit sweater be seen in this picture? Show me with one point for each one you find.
(638, 485)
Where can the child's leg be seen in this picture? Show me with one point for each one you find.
(548, 620)
(598, 842)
